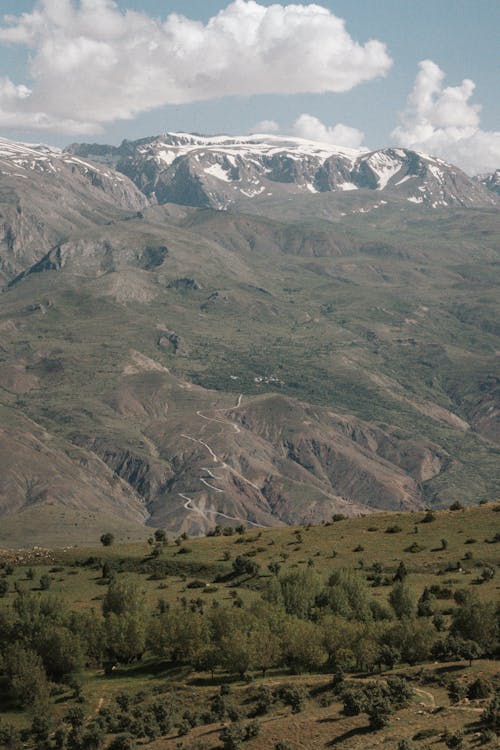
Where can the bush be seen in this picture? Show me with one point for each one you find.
(196, 584)
(491, 714)
(235, 734)
(107, 539)
(293, 696)
(45, 581)
(480, 688)
(122, 742)
(456, 691)
(429, 517)
(454, 740)
(457, 505)
(425, 734)
(394, 529)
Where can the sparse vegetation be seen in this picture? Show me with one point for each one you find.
(292, 627)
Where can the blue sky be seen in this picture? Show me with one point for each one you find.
(459, 36)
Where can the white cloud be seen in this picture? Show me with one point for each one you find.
(93, 63)
(266, 126)
(442, 121)
(307, 126)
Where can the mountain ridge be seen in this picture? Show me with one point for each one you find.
(225, 171)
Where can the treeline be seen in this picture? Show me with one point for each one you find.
(298, 623)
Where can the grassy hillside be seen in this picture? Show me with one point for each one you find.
(195, 578)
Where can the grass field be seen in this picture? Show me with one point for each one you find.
(471, 542)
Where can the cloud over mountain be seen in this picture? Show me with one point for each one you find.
(442, 121)
(310, 127)
(92, 63)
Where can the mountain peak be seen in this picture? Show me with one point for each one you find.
(223, 171)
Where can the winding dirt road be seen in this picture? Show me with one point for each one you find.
(189, 505)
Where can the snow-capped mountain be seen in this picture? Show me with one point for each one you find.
(490, 181)
(28, 161)
(46, 195)
(222, 171)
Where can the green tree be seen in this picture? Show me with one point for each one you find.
(303, 645)
(125, 620)
(348, 595)
(45, 581)
(402, 600)
(107, 539)
(26, 676)
(477, 621)
(61, 652)
(414, 639)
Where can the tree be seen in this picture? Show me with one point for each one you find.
(401, 572)
(274, 568)
(61, 652)
(10, 737)
(243, 565)
(125, 621)
(413, 638)
(299, 589)
(45, 581)
(179, 635)
(107, 539)
(302, 645)
(402, 600)
(266, 646)
(160, 535)
(389, 656)
(347, 595)
(475, 620)
(26, 676)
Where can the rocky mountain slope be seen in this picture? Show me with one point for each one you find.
(47, 195)
(222, 171)
(491, 181)
(176, 366)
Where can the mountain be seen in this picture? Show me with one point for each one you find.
(46, 195)
(490, 181)
(223, 172)
(300, 355)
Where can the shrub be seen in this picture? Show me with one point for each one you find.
(293, 696)
(454, 740)
(429, 517)
(196, 584)
(457, 505)
(480, 688)
(491, 714)
(107, 539)
(122, 742)
(394, 529)
(45, 581)
(456, 691)
(425, 734)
